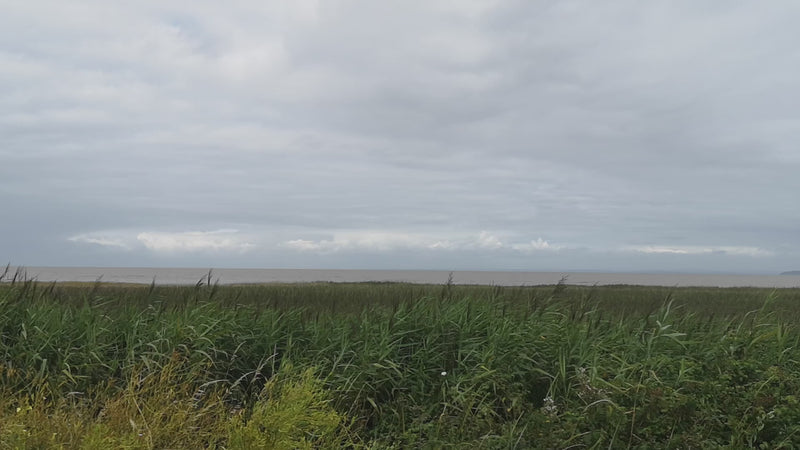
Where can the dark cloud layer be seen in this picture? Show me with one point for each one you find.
(472, 134)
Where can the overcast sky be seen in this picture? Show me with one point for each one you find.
(461, 134)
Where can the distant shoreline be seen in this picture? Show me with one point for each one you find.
(192, 276)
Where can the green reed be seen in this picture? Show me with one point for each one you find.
(386, 365)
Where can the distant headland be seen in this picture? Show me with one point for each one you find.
(791, 272)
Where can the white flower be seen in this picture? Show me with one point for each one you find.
(444, 373)
(549, 406)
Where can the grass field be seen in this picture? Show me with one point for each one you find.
(380, 365)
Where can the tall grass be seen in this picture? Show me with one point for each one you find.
(383, 365)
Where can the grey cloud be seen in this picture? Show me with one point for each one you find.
(592, 126)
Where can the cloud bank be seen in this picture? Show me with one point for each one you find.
(225, 240)
(385, 241)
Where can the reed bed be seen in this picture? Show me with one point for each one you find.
(382, 365)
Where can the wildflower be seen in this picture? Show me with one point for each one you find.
(444, 373)
(549, 406)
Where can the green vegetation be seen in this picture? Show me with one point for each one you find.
(379, 365)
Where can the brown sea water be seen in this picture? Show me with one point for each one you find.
(188, 276)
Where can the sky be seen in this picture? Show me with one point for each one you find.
(657, 136)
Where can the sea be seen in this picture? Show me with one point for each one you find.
(191, 276)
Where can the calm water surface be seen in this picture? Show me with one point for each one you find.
(237, 276)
